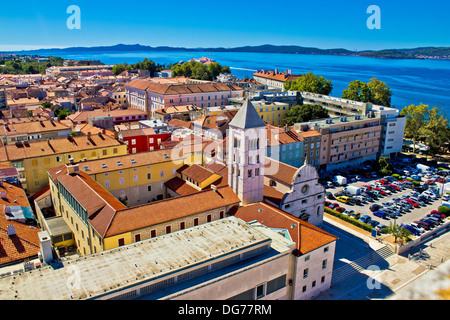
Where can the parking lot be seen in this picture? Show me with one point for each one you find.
(411, 215)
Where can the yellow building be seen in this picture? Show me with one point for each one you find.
(274, 113)
(33, 159)
(101, 222)
(136, 178)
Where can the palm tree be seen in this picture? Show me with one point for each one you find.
(400, 234)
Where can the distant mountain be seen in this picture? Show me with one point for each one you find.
(416, 53)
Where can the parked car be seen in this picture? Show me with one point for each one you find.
(374, 207)
(419, 228)
(342, 199)
(329, 195)
(348, 212)
(374, 223)
(380, 214)
(424, 224)
(365, 219)
(431, 222)
(339, 209)
(410, 229)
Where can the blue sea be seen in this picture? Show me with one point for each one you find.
(412, 81)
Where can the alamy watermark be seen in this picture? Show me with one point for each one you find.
(374, 21)
(74, 20)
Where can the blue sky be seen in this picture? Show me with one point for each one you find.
(322, 23)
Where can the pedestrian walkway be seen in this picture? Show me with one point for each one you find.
(361, 264)
(382, 273)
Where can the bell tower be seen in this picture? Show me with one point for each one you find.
(246, 154)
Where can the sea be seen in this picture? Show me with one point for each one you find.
(412, 81)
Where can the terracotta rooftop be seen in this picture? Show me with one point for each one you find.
(279, 171)
(172, 89)
(306, 236)
(197, 173)
(25, 243)
(129, 161)
(58, 146)
(171, 209)
(31, 127)
(278, 76)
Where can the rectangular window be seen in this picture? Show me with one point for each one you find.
(324, 264)
(161, 173)
(182, 225)
(168, 229)
(305, 273)
(196, 222)
(208, 218)
(107, 184)
(137, 237)
(121, 242)
(260, 291)
(276, 284)
(153, 234)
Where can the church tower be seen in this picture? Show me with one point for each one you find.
(246, 147)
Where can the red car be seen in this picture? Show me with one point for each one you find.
(440, 180)
(430, 182)
(437, 213)
(394, 187)
(339, 209)
(414, 204)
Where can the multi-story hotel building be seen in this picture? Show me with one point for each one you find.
(337, 107)
(274, 79)
(149, 96)
(345, 141)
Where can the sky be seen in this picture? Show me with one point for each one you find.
(322, 23)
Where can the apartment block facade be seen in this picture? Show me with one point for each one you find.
(150, 97)
(345, 141)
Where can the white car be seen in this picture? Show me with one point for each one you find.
(415, 225)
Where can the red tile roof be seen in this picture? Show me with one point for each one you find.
(23, 245)
(306, 236)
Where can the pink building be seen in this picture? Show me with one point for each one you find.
(146, 95)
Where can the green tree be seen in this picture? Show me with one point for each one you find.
(47, 104)
(62, 113)
(381, 93)
(437, 130)
(198, 70)
(309, 82)
(385, 166)
(305, 113)
(400, 234)
(416, 121)
(358, 91)
(119, 68)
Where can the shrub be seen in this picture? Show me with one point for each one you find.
(348, 219)
(444, 210)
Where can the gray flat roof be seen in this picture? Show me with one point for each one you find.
(141, 262)
(57, 226)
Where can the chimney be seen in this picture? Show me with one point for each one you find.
(72, 168)
(11, 231)
(46, 247)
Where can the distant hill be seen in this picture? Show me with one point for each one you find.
(416, 53)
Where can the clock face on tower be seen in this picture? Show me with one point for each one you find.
(305, 189)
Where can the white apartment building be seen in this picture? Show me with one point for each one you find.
(392, 130)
